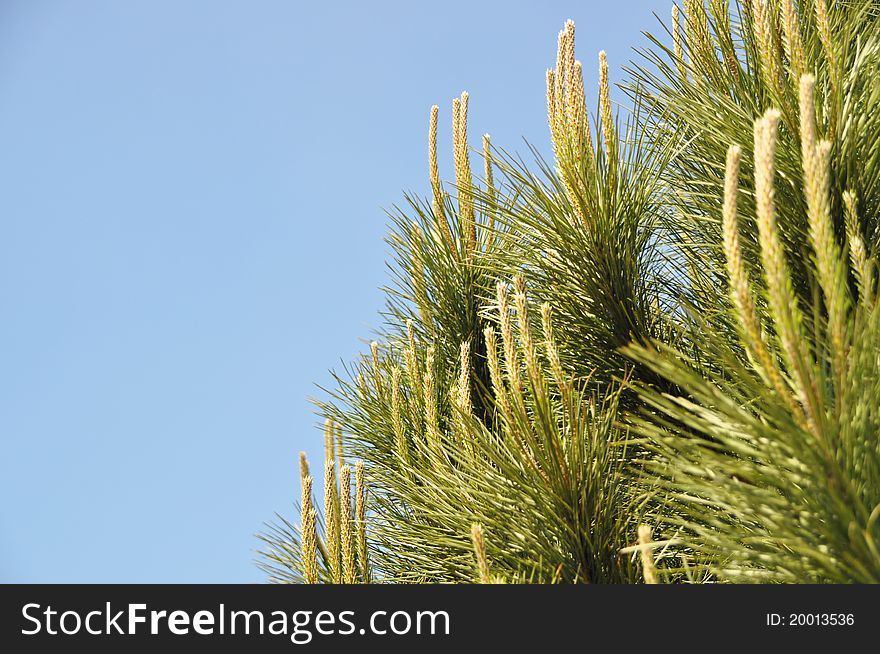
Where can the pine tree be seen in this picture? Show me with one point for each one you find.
(655, 358)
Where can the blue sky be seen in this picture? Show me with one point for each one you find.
(192, 206)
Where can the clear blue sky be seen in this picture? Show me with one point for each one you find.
(191, 203)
